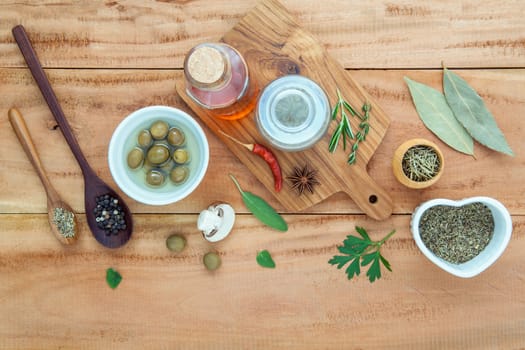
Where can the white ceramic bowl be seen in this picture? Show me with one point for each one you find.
(124, 139)
(496, 246)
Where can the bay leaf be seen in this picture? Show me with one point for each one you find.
(437, 116)
(470, 110)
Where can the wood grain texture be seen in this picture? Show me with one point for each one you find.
(360, 34)
(95, 101)
(273, 45)
(107, 58)
(55, 296)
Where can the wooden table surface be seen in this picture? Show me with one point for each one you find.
(107, 58)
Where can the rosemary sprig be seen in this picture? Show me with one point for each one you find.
(361, 251)
(360, 136)
(344, 128)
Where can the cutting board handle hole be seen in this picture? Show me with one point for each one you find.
(372, 199)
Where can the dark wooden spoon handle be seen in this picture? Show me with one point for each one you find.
(49, 95)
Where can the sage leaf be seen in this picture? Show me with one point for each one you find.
(470, 110)
(113, 278)
(261, 209)
(437, 116)
(264, 258)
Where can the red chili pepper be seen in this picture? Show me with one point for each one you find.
(268, 156)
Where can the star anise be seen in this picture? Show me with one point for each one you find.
(303, 179)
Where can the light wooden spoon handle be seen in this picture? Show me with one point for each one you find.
(22, 132)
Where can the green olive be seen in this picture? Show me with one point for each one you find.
(144, 139)
(176, 137)
(155, 178)
(159, 130)
(179, 174)
(212, 261)
(176, 243)
(135, 158)
(181, 156)
(158, 154)
(168, 166)
(147, 166)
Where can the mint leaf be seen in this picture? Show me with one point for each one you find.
(113, 278)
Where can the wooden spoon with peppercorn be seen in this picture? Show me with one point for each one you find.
(61, 218)
(107, 215)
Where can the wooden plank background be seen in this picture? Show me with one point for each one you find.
(108, 58)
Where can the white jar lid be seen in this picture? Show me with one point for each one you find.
(293, 113)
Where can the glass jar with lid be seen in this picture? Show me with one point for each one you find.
(293, 113)
(217, 78)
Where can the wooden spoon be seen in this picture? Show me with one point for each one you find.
(54, 201)
(93, 185)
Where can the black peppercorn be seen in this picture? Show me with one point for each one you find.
(109, 215)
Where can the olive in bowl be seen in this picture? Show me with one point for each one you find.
(153, 167)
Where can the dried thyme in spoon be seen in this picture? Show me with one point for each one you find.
(65, 222)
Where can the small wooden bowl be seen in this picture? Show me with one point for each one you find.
(397, 163)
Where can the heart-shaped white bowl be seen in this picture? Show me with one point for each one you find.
(491, 253)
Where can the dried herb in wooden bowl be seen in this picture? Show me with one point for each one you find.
(421, 163)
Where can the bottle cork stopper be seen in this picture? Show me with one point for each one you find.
(206, 65)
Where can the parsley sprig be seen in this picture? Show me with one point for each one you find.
(362, 251)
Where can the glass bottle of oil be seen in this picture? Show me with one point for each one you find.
(217, 78)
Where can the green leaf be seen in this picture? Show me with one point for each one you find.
(470, 110)
(436, 114)
(265, 259)
(348, 128)
(355, 249)
(385, 262)
(368, 258)
(334, 112)
(349, 108)
(339, 260)
(334, 141)
(353, 246)
(353, 269)
(374, 272)
(363, 233)
(261, 209)
(113, 278)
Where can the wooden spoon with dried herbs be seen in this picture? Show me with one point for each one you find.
(61, 218)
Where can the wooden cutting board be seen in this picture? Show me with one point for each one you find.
(273, 44)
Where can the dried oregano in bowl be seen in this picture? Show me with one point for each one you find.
(462, 237)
